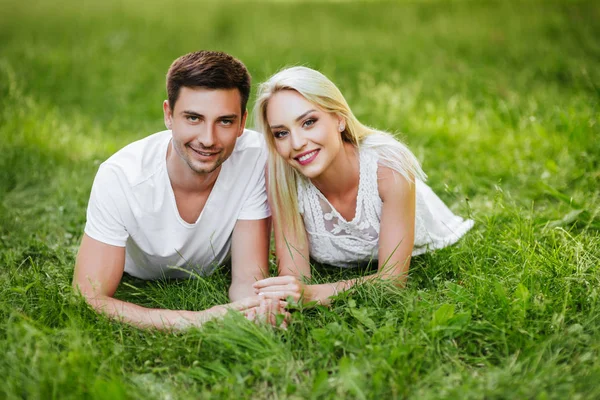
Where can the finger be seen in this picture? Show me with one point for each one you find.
(281, 295)
(287, 318)
(272, 311)
(284, 321)
(263, 310)
(275, 311)
(280, 288)
(244, 304)
(251, 314)
(275, 280)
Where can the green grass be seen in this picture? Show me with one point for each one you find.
(499, 100)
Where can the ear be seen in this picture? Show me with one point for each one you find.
(341, 122)
(168, 114)
(243, 123)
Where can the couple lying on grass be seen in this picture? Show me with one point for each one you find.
(185, 200)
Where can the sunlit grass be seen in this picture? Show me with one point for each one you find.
(500, 102)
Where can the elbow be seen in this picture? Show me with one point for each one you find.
(97, 302)
(87, 292)
(77, 287)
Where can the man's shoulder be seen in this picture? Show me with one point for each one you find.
(250, 141)
(139, 160)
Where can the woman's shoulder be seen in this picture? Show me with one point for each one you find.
(370, 146)
(393, 154)
(381, 144)
(378, 138)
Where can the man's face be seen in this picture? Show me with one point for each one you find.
(205, 125)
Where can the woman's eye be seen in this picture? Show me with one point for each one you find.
(279, 134)
(309, 122)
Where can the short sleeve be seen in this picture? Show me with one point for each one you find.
(106, 209)
(256, 205)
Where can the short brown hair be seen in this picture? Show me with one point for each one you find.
(208, 69)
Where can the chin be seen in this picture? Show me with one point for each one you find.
(310, 173)
(203, 168)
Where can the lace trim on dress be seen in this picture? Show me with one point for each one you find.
(332, 238)
(335, 241)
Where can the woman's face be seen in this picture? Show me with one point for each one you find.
(307, 137)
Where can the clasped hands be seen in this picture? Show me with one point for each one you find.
(271, 300)
(284, 288)
(274, 294)
(259, 309)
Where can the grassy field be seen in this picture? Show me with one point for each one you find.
(500, 102)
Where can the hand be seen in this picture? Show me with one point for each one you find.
(282, 287)
(242, 306)
(267, 312)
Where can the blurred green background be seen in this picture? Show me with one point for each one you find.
(499, 100)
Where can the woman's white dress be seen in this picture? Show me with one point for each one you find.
(335, 241)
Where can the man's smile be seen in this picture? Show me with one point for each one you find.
(205, 153)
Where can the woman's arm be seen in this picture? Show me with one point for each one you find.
(397, 232)
(396, 240)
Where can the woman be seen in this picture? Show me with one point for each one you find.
(340, 192)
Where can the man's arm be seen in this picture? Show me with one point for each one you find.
(98, 271)
(249, 256)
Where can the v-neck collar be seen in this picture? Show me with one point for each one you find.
(216, 187)
(361, 183)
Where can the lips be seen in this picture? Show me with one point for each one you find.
(204, 153)
(307, 157)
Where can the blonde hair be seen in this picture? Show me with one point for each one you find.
(319, 90)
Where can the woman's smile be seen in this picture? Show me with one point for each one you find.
(307, 157)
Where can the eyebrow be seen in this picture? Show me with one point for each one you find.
(187, 112)
(195, 114)
(297, 119)
(229, 116)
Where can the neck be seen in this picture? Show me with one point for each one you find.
(182, 177)
(342, 175)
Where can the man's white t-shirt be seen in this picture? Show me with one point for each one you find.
(132, 205)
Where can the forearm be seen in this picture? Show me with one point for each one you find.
(322, 293)
(291, 286)
(143, 317)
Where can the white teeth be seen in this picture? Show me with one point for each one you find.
(202, 153)
(306, 156)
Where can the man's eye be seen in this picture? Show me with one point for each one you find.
(192, 118)
(279, 134)
(227, 122)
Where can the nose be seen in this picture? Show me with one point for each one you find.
(298, 140)
(207, 135)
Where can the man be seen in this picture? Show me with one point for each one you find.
(183, 200)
